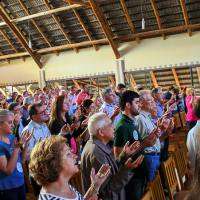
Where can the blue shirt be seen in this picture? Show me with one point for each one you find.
(16, 179)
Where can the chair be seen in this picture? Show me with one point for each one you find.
(156, 189)
(181, 165)
(171, 177)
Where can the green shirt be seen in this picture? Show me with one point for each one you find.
(125, 131)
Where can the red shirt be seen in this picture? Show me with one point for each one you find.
(81, 97)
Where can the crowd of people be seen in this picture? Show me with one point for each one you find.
(117, 138)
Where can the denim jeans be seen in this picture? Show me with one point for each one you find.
(153, 163)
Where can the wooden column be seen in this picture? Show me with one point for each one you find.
(153, 78)
(175, 77)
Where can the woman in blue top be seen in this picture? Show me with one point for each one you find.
(11, 152)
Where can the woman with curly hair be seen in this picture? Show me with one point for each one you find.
(52, 164)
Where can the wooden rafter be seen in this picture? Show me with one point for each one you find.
(34, 23)
(162, 31)
(105, 41)
(85, 4)
(132, 81)
(20, 37)
(128, 18)
(8, 40)
(156, 13)
(104, 24)
(57, 48)
(44, 13)
(175, 77)
(153, 78)
(59, 25)
(185, 15)
(87, 32)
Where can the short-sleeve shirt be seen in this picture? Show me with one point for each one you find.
(48, 196)
(125, 131)
(16, 179)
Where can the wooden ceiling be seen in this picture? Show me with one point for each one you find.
(58, 25)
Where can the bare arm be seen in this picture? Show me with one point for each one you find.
(8, 166)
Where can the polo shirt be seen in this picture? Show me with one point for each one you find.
(125, 131)
(145, 125)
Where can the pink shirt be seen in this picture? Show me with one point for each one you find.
(81, 97)
(190, 116)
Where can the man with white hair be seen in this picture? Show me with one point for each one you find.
(97, 152)
(145, 126)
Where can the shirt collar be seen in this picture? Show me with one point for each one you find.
(145, 113)
(35, 124)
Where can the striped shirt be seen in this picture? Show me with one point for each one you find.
(47, 196)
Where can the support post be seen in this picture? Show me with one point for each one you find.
(119, 72)
(42, 79)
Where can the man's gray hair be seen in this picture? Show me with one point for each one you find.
(106, 91)
(4, 113)
(97, 121)
(143, 93)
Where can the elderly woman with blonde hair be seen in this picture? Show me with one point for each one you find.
(52, 165)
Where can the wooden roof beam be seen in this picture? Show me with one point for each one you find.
(156, 13)
(176, 77)
(162, 31)
(153, 78)
(34, 23)
(42, 14)
(82, 24)
(128, 18)
(58, 48)
(60, 26)
(84, 4)
(105, 27)
(20, 37)
(8, 40)
(185, 15)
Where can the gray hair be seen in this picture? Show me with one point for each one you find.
(106, 91)
(97, 121)
(143, 93)
(4, 113)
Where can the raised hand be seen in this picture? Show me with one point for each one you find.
(132, 148)
(96, 181)
(25, 138)
(130, 164)
(150, 140)
(101, 176)
(64, 130)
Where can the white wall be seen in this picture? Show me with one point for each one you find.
(175, 50)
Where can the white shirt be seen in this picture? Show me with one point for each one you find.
(109, 110)
(193, 143)
(41, 131)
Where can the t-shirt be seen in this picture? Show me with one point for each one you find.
(125, 131)
(47, 196)
(16, 179)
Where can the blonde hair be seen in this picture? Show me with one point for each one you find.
(5, 113)
(189, 91)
